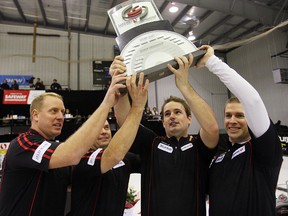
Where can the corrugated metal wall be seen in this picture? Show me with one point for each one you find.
(253, 61)
(52, 55)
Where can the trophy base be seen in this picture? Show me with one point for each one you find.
(161, 70)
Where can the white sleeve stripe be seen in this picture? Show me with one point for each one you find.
(92, 158)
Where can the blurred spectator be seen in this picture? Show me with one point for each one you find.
(14, 85)
(155, 111)
(4, 85)
(55, 85)
(147, 113)
(67, 113)
(39, 85)
(31, 82)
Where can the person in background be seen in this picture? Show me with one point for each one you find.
(4, 85)
(99, 185)
(245, 169)
(155, 111)
(39, 85)
(174, 168)
(55, 85)
(148, 113)
(35, 171)
(67, 113)
(14, 85)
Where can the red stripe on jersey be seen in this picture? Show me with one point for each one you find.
(32, 146)
(35, 193)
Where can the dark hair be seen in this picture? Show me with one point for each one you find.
(177, 100)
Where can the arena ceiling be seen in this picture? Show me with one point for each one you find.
(214, 22)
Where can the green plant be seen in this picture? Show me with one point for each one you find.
(131, 195)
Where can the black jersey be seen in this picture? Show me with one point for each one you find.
(28, 187)
(94, 193)
(243, 177)
(173, 174)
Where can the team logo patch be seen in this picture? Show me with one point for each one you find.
(187, 146)
(92, 158)
(135, 13)
(39, 152)
(238, 151)
(165, 147)
(220, 158)
(120, 164)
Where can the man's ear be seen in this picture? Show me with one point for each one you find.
(189, 119)
(34, 115)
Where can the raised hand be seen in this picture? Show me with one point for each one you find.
(182, 73)
(117, 65)
(138, 91)
(112, 96)
(203, 60)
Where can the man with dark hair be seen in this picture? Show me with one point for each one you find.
(14, 85)
(4, 85)
(55, 85)
(174, 168)
(95, 188)
(39, 84)
(98, 184)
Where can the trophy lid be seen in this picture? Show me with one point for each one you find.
(131, 14)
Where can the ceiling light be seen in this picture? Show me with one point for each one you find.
(191, 37)
(173, 8)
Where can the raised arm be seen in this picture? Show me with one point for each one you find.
(209, 131)
(255, 110)
(123, 139)
(122, 108)
(71, 151)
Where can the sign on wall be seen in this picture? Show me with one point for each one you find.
(101, 72)
(20, 96)
(22, 80)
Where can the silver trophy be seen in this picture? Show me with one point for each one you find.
(146, 41)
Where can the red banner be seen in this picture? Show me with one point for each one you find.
(20, 96)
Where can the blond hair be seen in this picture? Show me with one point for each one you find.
(37, 103)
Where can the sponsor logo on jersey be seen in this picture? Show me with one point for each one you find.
(187, 146)
(164, 147)
(39, 152)
(220, 158)
(92, 158)
(238, 151)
